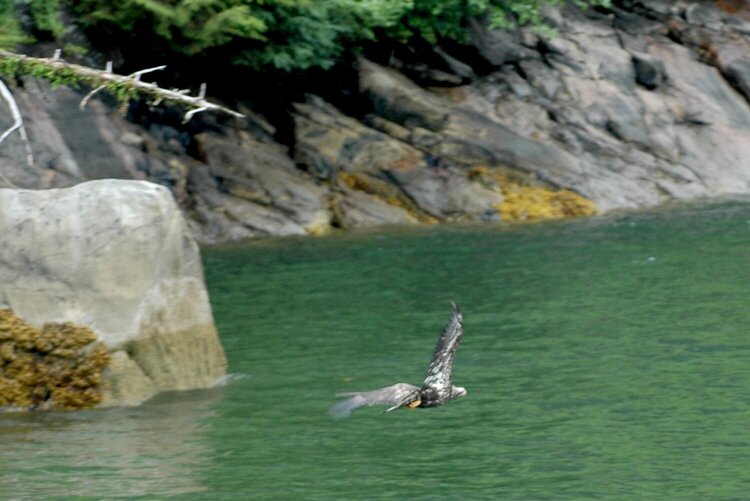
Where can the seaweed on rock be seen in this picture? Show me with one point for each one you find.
(56, 366)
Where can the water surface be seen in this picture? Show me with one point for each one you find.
(604, 359)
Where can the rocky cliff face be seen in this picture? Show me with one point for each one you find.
(628, 108)
(116, 257)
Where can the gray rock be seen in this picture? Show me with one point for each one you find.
(115, 256)
(680, 134)
(399, 100)
(389, 128)
(737, 73)
(702, 15)
(460, 136)
(498, 47)
(649, 71)
(431, 77)
(737, 25)
(664, 7)
(269, 177)
(69, 145)
(631, 109)
(260, 220)
(345, 145)
(329, 141)
(212, 224)
(355, 209)
(458, 67)
(447, 194)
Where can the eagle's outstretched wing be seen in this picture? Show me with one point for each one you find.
(396, 396)
(439, 372)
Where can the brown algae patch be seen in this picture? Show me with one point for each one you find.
(525, 202)
(385, 192)
(56, 366)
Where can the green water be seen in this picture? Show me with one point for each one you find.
(604, 359)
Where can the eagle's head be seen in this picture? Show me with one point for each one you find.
(457, 391)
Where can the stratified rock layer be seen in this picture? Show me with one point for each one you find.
(115, 256)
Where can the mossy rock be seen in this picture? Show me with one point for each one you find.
(56, 366)
(384, 191)
(141, 282)
(525, 200)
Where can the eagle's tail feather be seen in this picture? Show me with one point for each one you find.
(396, 395)
(344, 408)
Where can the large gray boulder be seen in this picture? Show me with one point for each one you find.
(115, 256)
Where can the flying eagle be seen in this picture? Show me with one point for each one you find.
(437, 388)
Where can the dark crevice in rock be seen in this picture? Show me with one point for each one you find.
(737, 74)
(520, 71)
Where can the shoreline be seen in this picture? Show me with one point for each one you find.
(670, 207)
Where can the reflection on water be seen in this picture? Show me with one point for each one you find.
(604, 359)
(155, 448)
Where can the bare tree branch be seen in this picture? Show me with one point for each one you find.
(137, 74)
(14, 111)
(105, 79)
(88, 96)
(17, 125)
(192, 112)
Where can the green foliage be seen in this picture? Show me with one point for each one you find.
(10, 31)
(46, 16)
(285, 34)
(433, 20)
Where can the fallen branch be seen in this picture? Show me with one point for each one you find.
(124, 87)
(14, 111)
(17, 125)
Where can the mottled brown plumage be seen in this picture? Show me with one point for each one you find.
(436, 389)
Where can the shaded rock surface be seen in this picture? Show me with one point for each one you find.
(115, 256)
(355, 209)
(256, 185)
(631, 107)
(334, 144)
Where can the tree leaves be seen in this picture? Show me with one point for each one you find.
(285, 34)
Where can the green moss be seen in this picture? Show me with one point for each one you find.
(59, 73)
(13, 65)
(58, 365)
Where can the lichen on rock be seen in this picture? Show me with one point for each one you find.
(524, 201)
(534, 202)
(56, 366)
(384, 191)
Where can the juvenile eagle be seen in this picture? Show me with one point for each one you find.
(436, 389)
